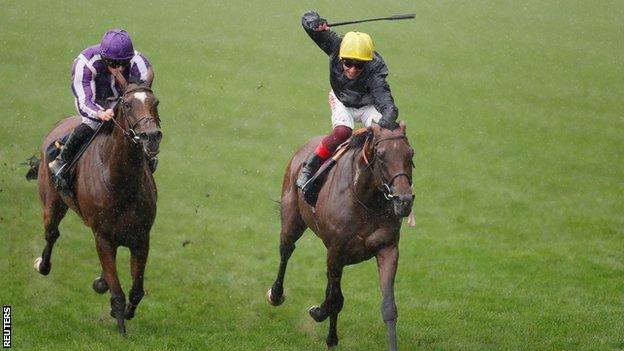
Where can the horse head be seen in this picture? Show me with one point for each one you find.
(139, 108)
(391, 163)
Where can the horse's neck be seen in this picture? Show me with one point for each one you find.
(364, 184)
(123, 159)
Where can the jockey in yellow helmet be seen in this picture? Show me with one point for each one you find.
(359, 91)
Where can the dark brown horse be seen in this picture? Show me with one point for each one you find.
(114, 191)
(358, 216)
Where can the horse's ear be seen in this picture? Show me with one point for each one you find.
(121, 80)
(136, 80)
(403, 126)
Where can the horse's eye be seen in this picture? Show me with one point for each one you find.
(156, 103)
(127, 105)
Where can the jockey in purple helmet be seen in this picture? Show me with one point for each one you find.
(96, 76)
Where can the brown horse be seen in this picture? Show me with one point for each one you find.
(115, 194)
(357, 215)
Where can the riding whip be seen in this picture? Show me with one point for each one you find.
(390, 18)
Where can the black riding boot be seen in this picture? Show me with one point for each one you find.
(76, 139)
(308, 169)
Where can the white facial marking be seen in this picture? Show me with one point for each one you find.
(141, 96)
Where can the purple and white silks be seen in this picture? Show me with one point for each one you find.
(92, 83)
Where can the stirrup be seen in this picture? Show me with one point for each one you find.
(303, 181)
(57, 174)
(55, 169)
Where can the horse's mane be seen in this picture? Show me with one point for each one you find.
(359, 138)
(136, 81)
(107, 128)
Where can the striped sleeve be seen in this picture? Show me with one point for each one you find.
(139, 66)
(83, 87)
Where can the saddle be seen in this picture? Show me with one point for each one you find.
(312, 188)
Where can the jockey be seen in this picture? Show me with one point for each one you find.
(357, 75)
(96, 76)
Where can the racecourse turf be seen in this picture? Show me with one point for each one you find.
(514, 109)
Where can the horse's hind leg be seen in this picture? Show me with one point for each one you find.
(106, 251)
(54, 209)
(293, 227)
(137, 266)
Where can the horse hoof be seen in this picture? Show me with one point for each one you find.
(121, 323)
(38, 263)
(273, 302)
(317, 313)
(129, 313)
(99, 285)
(332, 341)
(39, 268)
(122, 330)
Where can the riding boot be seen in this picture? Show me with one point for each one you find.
(74, 142)
(308, 169)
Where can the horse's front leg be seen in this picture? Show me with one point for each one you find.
(334, 299)
(137, 266)
(387, 261)
(106, 251)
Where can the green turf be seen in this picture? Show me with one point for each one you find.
(515, 112)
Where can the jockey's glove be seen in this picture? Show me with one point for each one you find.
(388, 124)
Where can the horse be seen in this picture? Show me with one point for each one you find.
(358, 216)
(114, 193)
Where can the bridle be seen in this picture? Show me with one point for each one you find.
(376, 166)
(130, 132)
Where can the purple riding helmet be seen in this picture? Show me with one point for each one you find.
(116, 45)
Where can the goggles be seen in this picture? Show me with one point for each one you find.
(116, 63)
(359, 65)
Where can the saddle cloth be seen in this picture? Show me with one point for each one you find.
(54, 149)
(312, 188)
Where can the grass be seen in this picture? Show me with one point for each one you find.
(514, 110)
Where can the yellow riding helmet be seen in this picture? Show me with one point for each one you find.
(357, 46)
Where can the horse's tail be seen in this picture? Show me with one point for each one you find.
(33, 164)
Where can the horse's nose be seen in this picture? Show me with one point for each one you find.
(151, 137)
(155, 137)
(406, 200)
(403, 204)
(151, 142)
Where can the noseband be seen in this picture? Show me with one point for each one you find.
(130, 132)
(378, 171)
